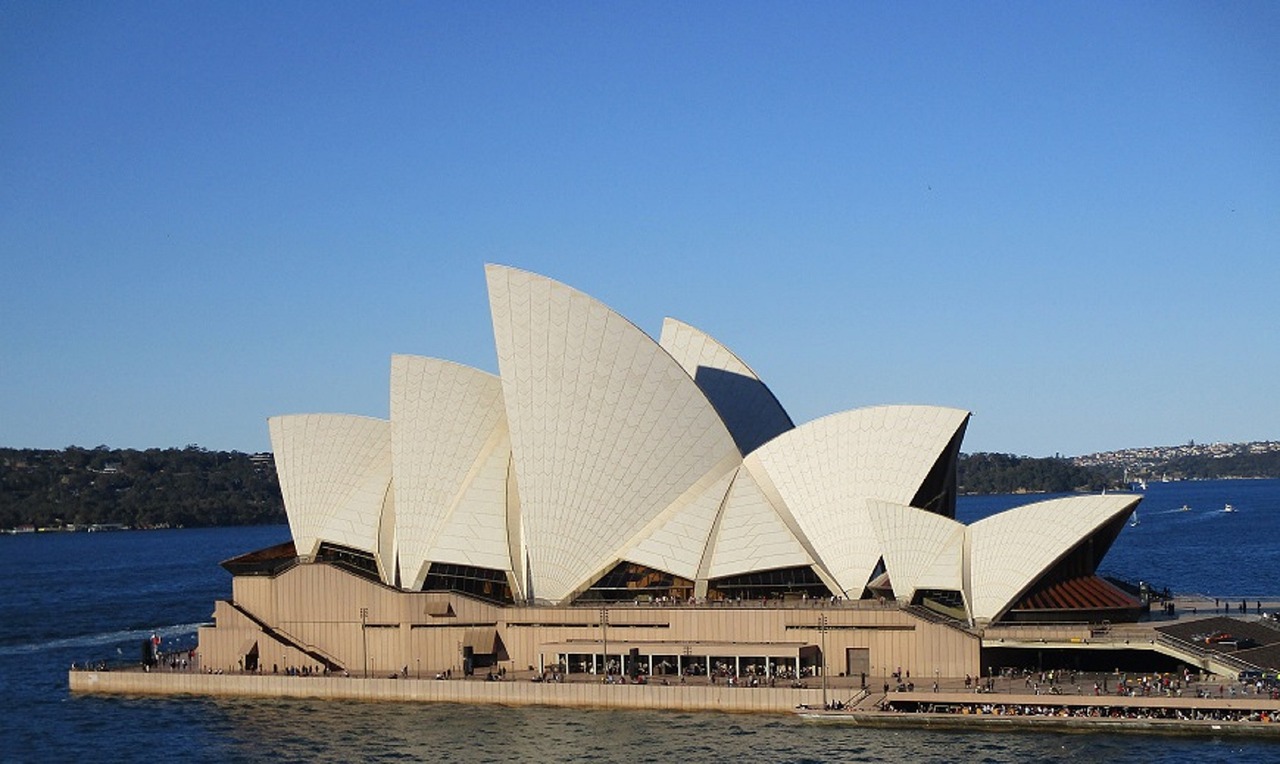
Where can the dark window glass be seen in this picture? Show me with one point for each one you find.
(629, 581)
(352, 560)
(779, 582)
(481, 583)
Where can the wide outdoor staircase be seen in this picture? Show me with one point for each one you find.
(859, 699)
(925, 614)
(287, 639)
(1122, 636)
(1211, 660)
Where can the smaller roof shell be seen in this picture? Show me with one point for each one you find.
(450, 453)
(922, 550)
(749, 409)
(824, 471)
(335, 476)
(1010, 551)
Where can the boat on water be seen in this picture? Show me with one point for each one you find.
(1184, 508)
(1133, 519)
(1228, 508)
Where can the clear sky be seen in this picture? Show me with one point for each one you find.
(1064, 217)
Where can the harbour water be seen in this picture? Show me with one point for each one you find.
(85, 597)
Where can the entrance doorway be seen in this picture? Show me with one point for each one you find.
(857, 661)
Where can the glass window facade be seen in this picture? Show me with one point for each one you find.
(481, 583)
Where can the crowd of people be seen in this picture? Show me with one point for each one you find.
(1086, 711)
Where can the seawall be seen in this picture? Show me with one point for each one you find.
(692, 697)
(696, 697)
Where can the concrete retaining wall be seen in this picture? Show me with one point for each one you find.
(513, 693)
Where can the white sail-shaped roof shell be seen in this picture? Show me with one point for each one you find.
(335, 474)
(678, 539)
(824, 470)
(1009, 551)
(450, 452)
(922, 550)
(749, 409)
(607, 431)
(752, 535)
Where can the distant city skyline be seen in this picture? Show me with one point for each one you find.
(1065, 219)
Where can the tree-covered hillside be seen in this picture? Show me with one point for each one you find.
(176, 487)
(1205, 467)
(1005, 473)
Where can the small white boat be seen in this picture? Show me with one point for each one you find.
(1228, 508)
(1133, 521)
(1184, 508)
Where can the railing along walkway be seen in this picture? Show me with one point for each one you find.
(925, 614)
(1203, 653)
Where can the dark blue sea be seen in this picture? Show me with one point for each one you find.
(86, 597)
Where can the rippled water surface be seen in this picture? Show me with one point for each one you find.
(199, 730)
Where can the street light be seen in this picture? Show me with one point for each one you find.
(604, 638)
(822, 627)
(364, 638)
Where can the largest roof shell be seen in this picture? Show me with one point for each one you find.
(607, 431)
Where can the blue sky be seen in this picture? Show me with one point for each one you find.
(1062, 217)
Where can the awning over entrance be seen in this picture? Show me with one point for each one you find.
(483, 640)
(753, 649)
(438, 608)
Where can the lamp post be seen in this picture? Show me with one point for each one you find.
(604, 638)
(822, 627)
(364, 638)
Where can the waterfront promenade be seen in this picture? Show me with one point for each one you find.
(1197, 703)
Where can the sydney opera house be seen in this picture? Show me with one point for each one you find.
(609, 499)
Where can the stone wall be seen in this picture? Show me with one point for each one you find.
(513, 693)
